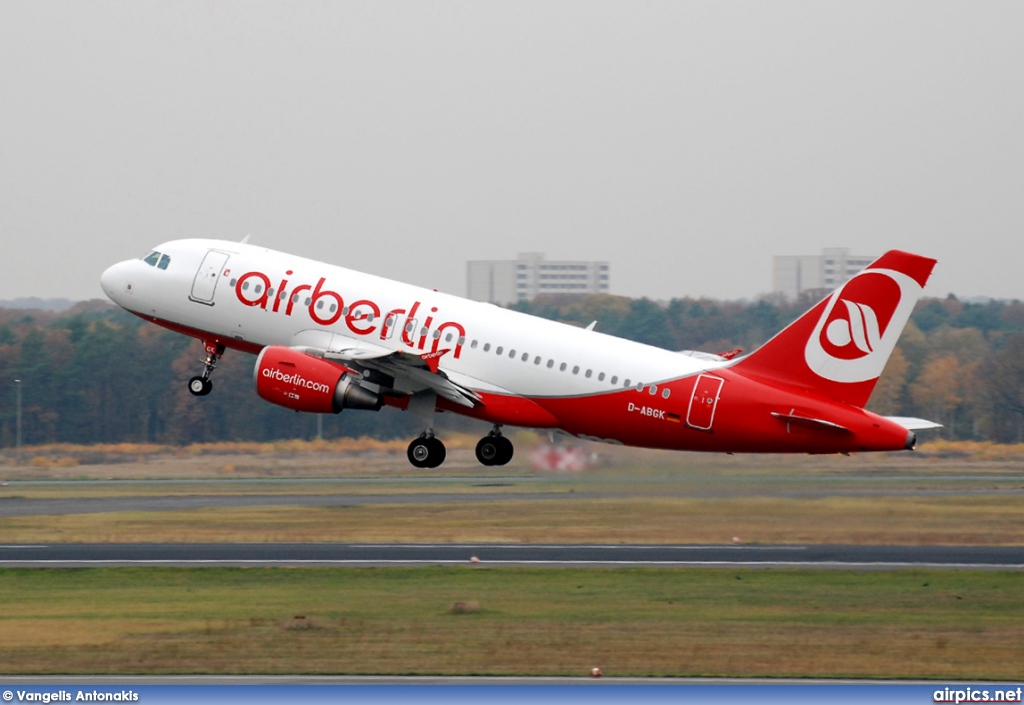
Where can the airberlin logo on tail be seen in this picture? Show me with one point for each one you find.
(855, 326)
(860, 326)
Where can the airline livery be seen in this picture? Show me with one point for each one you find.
(328, 338)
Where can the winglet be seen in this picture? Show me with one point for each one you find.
(433, 359)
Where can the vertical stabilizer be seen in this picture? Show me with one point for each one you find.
(839, 348)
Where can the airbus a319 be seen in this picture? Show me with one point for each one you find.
(328, 338)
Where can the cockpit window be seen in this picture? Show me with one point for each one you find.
(156, 259)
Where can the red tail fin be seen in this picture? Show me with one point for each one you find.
(840, 346)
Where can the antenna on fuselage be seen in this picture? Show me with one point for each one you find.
(246, 238)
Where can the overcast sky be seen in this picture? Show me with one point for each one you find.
(684, 142)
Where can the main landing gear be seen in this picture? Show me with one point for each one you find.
(494, 448)
(201, 385)
(429, 452)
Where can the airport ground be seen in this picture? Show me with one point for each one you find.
(477, 619)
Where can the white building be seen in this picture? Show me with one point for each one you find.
(793, 275)
(505, 282)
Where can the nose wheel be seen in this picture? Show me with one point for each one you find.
(494, 449)
(201, 385)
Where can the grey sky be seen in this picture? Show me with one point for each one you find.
(684, 142)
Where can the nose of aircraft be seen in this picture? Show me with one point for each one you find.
(115, 282)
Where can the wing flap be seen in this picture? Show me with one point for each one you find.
(411, 373)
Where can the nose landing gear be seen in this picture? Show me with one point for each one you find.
(201, 385)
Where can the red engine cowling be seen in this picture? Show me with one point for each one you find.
(298, 381)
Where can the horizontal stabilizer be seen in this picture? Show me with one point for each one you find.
(819, 424)
(912, 424)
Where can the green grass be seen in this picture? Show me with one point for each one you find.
(639, 622)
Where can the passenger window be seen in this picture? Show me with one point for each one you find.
(600, 377)
(562, 367)
(551, 363)
(511, 354)
(576, 369)
(499, 350)
(666, 394)
(615, 379)
(589, 372)
(487, 347)
(653, 389)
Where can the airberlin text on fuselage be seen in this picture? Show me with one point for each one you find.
(326, 307)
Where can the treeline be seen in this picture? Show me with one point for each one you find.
(97, 374)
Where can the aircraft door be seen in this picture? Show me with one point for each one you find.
(206, 279)
(701, 413)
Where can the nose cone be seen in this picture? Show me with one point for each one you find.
(117, 284)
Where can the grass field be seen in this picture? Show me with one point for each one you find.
(468, 621)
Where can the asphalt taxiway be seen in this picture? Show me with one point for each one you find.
(546, 555)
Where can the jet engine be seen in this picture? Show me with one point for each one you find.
(298, 381)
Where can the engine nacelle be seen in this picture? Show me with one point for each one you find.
(298, 381)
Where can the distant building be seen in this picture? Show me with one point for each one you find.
(793, 275)
(505, 282)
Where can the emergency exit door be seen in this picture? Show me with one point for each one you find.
(704, 401)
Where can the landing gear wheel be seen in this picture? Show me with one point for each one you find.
(200, 386)
(505, 450)
(426, 452)
(494, 450)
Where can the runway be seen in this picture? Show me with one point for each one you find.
(540, 555)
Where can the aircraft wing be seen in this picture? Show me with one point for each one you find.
(408, 373)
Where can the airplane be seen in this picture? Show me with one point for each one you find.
(327, 338)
